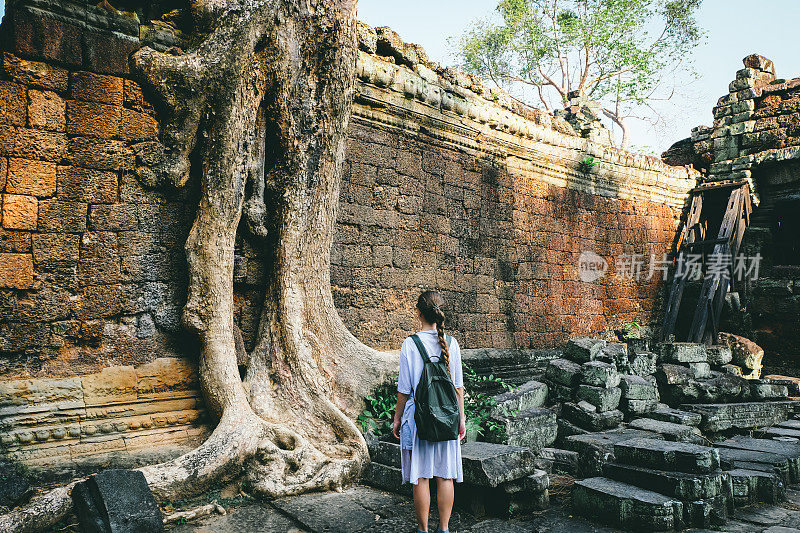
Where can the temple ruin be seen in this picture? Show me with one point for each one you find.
(449, 184)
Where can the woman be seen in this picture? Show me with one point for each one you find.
(422, 460)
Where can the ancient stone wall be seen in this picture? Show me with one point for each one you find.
(448, 185)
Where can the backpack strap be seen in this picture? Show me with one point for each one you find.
(448, 339)
(421, 348)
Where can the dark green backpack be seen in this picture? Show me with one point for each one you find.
(436, 411)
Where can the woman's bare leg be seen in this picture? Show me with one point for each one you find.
(422, 502)
(445, 495)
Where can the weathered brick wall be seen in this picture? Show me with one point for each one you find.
(502, 247)
(91, 264)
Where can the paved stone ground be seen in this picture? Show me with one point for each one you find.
(366, 510)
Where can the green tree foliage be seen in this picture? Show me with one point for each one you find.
(617, 52)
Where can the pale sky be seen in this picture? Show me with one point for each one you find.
(735, 28)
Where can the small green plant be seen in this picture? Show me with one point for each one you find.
(587, 165)
(378, 412)
(479, 405)
(379, 409)
(632, 329)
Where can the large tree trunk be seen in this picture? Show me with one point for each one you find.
(265, 103)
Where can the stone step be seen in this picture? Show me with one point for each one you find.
(533, 428)
(383, 452)
(681, 485)
(385, 478)
(526, 494)
(526, 396)
(669, 430)
(594, 449)
(731, 458)
(627, 506)
(676, 416)
(512, 366)
(788, 450)
(663, 455)
(489, 465)
(789, 424)
(746, 415)
(754, 486)
(777, 431)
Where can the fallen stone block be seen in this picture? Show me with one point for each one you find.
(602, 398)
(556, 392)
(719, 354)
(669, 430)
(681, 485)
(567, 429)
(616, 354)
(732, 370)
(753, 486)
(526, 396)
(792, 384)
(732, 458)
(668, 374)
(707, 513)
(383, 452)
(683, 352)
(786, 434)
(700, 370)
(488, 465)
(559, 461)
(622, 505)
(663, 455)
(534, 428)
(528, 493)
(564, 372)
(638, 388)
(745, 415)
(767, 390)
(14, 487)
(635, 408)
(584, 349)
(599, 374)
(585, 415)
(385, 477)
(116, 501)
(676, 416)
(638, 346)
(644, 364)
(745, 352)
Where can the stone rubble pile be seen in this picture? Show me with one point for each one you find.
(600, 384)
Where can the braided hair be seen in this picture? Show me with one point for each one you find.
(430, 305)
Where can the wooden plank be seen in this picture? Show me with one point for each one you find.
(714, 288)
(692, 231)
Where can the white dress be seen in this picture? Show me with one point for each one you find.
(420, 458)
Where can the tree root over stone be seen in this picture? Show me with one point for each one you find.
(263, 104)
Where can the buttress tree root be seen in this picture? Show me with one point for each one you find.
(262, 106)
